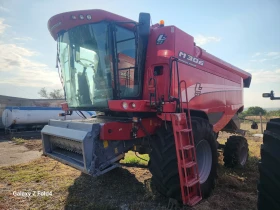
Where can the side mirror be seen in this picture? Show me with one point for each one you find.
(270, 95)
(144, 25)
(266, 95)
(254, 126)
(142, 38)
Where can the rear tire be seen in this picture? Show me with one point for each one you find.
(163, 159)
(269, 168)
(236, 152)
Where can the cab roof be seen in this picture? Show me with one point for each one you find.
(68, 20)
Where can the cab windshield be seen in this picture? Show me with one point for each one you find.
(85, 57)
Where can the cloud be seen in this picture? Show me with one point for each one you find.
(3, 26)
(18, 68)
(265, 76)
(256, 54)
(3, 9)
(22, 38)
(202, 40)
(263, 60)
(265, 56)
(273, 53)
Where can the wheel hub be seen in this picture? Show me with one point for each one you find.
(204, 160)
(243, 156)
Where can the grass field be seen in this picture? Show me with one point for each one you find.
(122, 188)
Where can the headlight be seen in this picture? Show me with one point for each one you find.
(124, 105)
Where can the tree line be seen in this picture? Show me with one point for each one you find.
(55, 94)
(256, 110)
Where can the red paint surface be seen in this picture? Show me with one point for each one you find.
(213, 72)
(122, 131)
(64, 21)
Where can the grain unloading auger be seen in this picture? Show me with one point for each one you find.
(157, 93)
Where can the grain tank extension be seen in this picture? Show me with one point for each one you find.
(156, 92)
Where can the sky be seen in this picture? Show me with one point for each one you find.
(243, 33)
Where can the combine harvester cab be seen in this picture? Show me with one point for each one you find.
(80, 143)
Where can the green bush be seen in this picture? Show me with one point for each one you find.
(274, 113)
(255, 111)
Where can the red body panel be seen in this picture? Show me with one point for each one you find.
(220, 88)
(213, 86)
(123, 131)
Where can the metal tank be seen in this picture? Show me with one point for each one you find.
(20, 116)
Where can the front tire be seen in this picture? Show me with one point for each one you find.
(236, 152)
(163, 159)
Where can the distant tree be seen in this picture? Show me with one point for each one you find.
(255, 110)
(242, 114)
(275, 113)
(55, 94)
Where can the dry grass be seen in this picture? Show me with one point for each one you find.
(122, 188)
(247, 126)
(32, 144)
(43, 174)
(18, 141)
(73, 190)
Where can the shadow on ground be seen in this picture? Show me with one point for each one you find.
(118, 189)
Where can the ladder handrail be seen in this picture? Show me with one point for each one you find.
(182, 122)
(187, 102)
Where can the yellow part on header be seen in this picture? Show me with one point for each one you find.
(105, 144)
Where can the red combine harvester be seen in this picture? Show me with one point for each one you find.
(157, 93)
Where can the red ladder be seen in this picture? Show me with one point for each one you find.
(186, 156)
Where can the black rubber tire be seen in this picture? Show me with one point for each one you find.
(265, 201)
(269, 168)
(232, 151)
(163, 159)
(269, 182)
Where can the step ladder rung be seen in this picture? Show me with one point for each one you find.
(187, 147)
(189, 164)
(194, 200)
(192, 182)
(186, 155)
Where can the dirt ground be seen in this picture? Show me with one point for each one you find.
(53, 185)
(13, 153)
